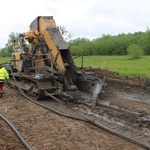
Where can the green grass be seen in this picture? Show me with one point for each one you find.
(123, 65)
(4, 59)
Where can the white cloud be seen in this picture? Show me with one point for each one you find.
(83, 18)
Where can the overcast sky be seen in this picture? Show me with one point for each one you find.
(82, 18)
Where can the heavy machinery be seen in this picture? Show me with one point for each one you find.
(41, 61)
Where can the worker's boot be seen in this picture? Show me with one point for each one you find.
(1, 94)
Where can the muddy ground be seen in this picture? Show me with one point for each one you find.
(45, 130)
(134, 88)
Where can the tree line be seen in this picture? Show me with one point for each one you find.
(105, 45)
(7, 50)
(112, 45)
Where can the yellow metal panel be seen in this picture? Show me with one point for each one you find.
(43, 24)
(16, 57)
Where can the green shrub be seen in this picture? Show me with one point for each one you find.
(135, 51)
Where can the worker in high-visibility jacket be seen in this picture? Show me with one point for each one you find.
(3, 76)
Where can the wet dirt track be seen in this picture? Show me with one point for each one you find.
(47, 130)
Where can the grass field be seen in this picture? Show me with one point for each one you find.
(124, 65)
(4, 59)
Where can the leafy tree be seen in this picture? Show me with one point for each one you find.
(12, 38)
(145, 42)
(78, 45)
(6, 51)
(135, 51)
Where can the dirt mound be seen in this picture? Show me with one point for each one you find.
(124, 83)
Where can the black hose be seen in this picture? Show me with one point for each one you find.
(17, 133)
